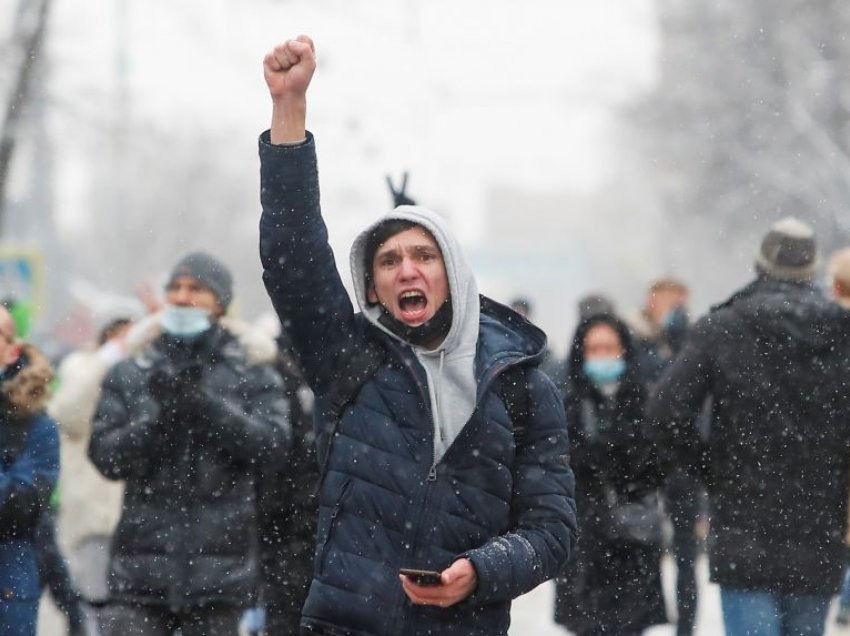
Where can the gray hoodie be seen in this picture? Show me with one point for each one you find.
(450, 368)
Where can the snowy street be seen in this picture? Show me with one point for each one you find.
(532, 613)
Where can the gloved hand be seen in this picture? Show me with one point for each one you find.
(177, 389)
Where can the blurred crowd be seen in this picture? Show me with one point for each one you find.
(225, 533)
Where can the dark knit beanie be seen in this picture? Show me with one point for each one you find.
(208, 271)
(789, 252)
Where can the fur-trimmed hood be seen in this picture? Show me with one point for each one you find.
(26, 383)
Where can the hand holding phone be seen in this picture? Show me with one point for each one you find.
(440, 589)
(422, 577)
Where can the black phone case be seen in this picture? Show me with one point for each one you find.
(422, 577)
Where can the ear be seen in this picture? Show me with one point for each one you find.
(371, 294)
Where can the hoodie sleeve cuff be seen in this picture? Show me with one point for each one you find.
(265, 139)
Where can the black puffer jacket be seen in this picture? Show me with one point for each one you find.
(503, 502)
(188, 532)
(775, 360)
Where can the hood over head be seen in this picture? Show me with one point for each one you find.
(450, 367)
(577, 376)
(463, 290)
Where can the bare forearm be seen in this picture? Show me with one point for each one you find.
(289, 121)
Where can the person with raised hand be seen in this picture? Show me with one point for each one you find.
(443, 448)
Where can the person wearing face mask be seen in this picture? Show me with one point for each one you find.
(187, 423)
(659, 330)
(443, 447)
(613, 584)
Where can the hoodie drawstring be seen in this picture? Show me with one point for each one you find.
(438, 429)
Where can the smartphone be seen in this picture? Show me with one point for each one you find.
(422, 577)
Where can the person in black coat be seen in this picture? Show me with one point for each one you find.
(659, 331)
(289, 508)
(774, 362)
(188, 424)
(613, 586)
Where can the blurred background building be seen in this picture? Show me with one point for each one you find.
(574, 147)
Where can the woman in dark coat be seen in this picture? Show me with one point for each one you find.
(613, 585)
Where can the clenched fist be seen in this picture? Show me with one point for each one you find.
(288, 70)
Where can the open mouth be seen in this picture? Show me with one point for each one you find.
(412, 305)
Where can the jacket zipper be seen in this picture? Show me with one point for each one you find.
(334, 514)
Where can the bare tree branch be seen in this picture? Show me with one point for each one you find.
(29, 30)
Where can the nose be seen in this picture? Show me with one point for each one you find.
(182, 297)
(408, 269)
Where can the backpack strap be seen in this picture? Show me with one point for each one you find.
(514, 385)
(355, 370)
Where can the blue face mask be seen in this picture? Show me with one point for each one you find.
(185, 322)
(604, 370)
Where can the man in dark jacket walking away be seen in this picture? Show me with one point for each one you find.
(427, 464)
(188, 424)
(775, 361)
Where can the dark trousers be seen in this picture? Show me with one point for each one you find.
(53, 572)
(283, 622)
(683, 502)
(289, 577)
(140, 620)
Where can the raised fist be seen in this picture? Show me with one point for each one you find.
(289, 67)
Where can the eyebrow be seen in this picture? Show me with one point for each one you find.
(195, 284)
(418, 249)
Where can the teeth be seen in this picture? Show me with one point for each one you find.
(411, 294)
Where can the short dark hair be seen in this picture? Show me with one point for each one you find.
(378, 236)
(111, 328)
(594, 304)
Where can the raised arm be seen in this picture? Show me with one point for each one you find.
(288, 69)
(299, 270)
(73, 403)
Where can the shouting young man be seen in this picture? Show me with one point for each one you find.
(443, 446)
